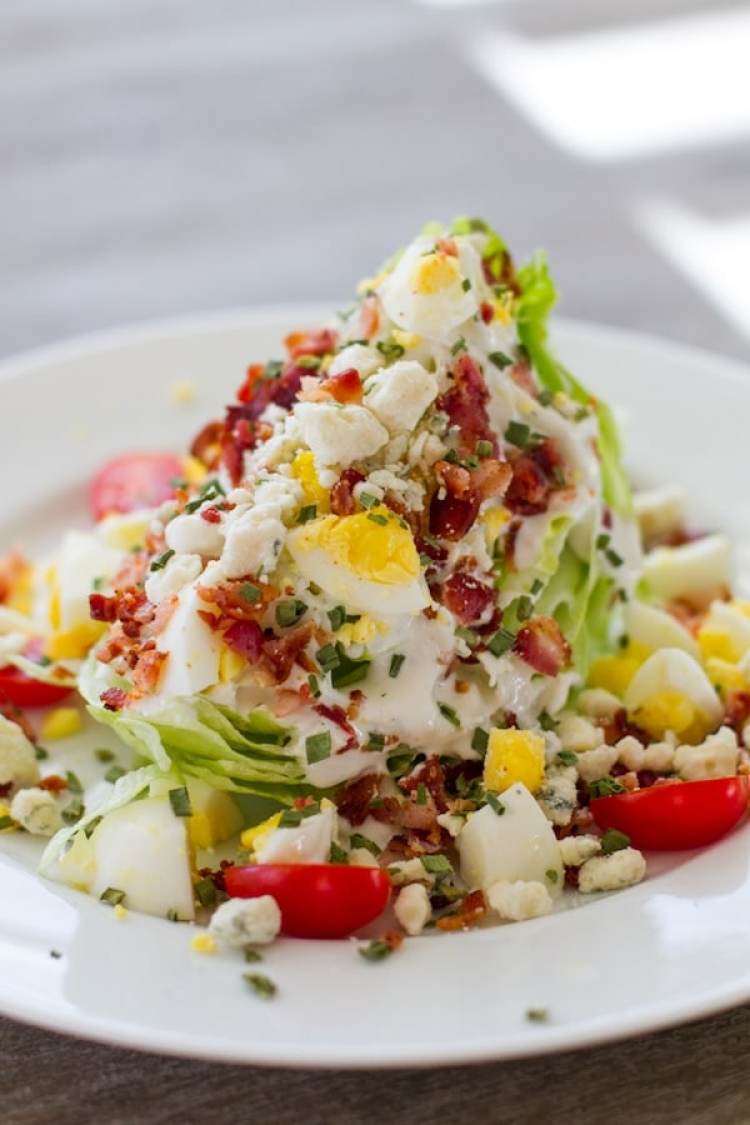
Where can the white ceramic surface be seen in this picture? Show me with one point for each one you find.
(671, 949)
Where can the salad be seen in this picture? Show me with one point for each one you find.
(392, 644)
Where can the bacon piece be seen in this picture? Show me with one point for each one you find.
(548, 457)
(13, 566)
(255, 373)
(337, 715)
(528, 492)
(451, 517)
(316, 341)
(343, 502)
(102, 608)
(471, 911)
(229, 598)
(114, 699)
(466, 597)
(53, 783)
(432, 776)
(206, 445)
(619, 726)
(540, 643)
(344, 387)
(498, 270)
(417, 817)
(245, 638)
(466, 406)
(491, 478)
(369, 318)
(509, 546)
(486, 312)
(523, 377)
(148, 670)
(353, 802)
(456, 480)
(448, 247)
(211, 515)
(281, 652)
(737, 709)
(287, 702)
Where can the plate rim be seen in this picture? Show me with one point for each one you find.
(551, 1040)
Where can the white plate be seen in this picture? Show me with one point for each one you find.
(671, 949)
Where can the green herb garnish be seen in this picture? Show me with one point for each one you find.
(179, 799)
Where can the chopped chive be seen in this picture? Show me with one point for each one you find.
(605, 787)
(500, 359)
(311, 361)
(250, 593)
(348, 672)
(466, 285)
(337, 617)
(289, 612)
(421, 794)
(314, 589)
(497, 806)
(356, 840)
(6, 822)
(367, 500)
(613, 558)
(114, 773)
(389, 349)
(536, 587)
(459, 346)
(160, 562)
(172, 915)
(328, 657)
(337, 854)
(74, 784)
(484, 448)
(449, 714)
(524, 608)
(396, 664)
(112, 896)
(377, 518)
(451, 456)
(104, 755)
(614, 841)
(40, 753)
(261, 984)
(546, 722)
(375, 741)
(480, 740)
(518, 434)
(602, 541)
(318, 746)
(252, 956)
(205, 890)
(437, 864)
(501, 642)
(309, 512)
(537, 1015)
(567, 757)
(467, 635)
(314, 686)
(179, 799)
(375, 950)
(551, 875)
(97, 583)
(72, 811)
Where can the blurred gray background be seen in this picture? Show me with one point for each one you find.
(161, 157)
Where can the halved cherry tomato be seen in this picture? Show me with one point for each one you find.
(684, 814)
(317, 900)
(132, 481)
(20, 689)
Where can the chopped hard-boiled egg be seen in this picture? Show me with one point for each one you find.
(83, 562)
(697, 571)
(399, 395)
(308, 843)
(518, 844)
(124, 532)
(653, 628)
(367, 561)
(142, 849)
(725, 631)
(215, 815)
(659, 511)
(303, 470)
(512, 756)
(62, 722)
(192, 646)
(670, 691)
(256, 836)
(431, 292)
(614, 673)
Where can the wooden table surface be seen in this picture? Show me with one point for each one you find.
(169, 156)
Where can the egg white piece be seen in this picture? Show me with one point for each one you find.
(646, 625)
(193, 649)
(309, 843)
(82, 559)
(520, 844)
(697, 571)
(142, 849)
(436, 312)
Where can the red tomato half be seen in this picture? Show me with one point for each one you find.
(321, 900)
(21, 690)
(686, 814)
(132, 481)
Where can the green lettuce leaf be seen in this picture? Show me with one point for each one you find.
(538, 295)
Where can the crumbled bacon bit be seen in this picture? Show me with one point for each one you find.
(206, 445)
(619, 726)
(53, 783)
(470, 912)
(486, 312)
(254, 375)
(353, 802)
(114, 699)
(230, 600)
(281, 652)
(13, 566)
(148, 669)
(432, 776)
(466, 406)
(540, 643)
(245, 638)
(318, 341)
(448, 247)
(456, 480)
(528, 491)
(523, 377)
(737, 709)
(491, 478)
(337, 715)
(344, 387)
(467, 597)
(343, 502)
(102, 608)
(451, 517)
(211, 515)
